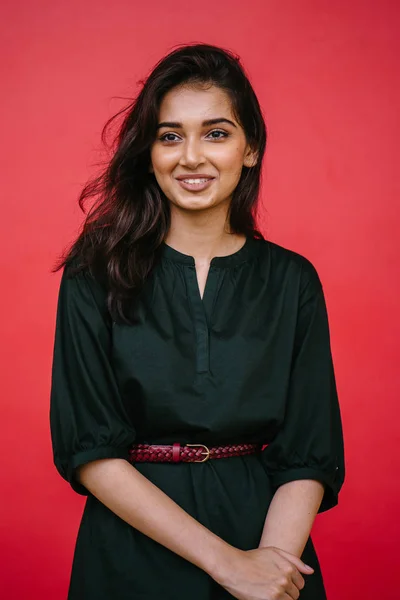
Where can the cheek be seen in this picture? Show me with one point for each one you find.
(163, 162)
(226, 154)
(231, 163)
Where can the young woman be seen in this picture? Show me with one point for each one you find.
(193, 392)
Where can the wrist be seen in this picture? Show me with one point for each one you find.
(221, 560)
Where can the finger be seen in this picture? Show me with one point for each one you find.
(285, 566)
(302, 566)
(289, 569)
(293, 591)
(295, 581)
(288, 596)
(298, 579)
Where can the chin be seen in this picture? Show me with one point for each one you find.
(194, 203)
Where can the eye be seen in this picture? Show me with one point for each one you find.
(163, 138)
(224, 134)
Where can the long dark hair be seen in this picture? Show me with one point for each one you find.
(130, 218)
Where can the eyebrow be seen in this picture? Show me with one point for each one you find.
(177, 125)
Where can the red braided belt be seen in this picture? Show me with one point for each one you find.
(188, 452)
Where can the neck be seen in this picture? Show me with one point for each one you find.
(202, 236)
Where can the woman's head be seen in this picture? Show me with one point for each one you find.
(138, 187)
(199, 137)
(191, 84)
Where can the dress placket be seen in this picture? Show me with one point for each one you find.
(202, 308)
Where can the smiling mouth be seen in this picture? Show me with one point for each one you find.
(195, 184)
(196, 179)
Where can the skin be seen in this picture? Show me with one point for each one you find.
(273, 571)
(199, 219)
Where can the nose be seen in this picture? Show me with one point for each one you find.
(192, 153)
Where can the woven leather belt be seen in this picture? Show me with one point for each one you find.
(187, 452)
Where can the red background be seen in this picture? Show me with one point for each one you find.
(327, 76)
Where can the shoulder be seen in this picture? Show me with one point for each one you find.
(92, 275)
(81, 285)
(290, 265)
(285, 258)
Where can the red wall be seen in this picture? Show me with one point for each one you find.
(327, 75)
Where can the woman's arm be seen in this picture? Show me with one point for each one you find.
(136, 500)
(254, 574)
(291, 515)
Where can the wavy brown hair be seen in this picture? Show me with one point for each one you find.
(122, 233)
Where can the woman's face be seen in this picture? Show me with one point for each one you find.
(188, 146)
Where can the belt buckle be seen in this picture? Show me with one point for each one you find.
(205, 448)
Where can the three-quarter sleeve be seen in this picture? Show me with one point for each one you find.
(88, 419)
(309, 445)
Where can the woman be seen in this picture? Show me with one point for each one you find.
(193, 394)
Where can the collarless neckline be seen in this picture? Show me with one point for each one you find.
(242, 255)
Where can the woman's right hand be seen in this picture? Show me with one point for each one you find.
(262, 574)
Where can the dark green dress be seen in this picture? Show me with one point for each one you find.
(250, 362)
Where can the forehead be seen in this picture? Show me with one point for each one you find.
(194, 103)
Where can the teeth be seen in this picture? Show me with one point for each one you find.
(195, 180)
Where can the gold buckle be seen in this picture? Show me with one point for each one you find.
(205, 448)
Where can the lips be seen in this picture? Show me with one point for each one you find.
(194, 176)
(197, 183)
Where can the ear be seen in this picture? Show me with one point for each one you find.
(151, 170)
(250, 158)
